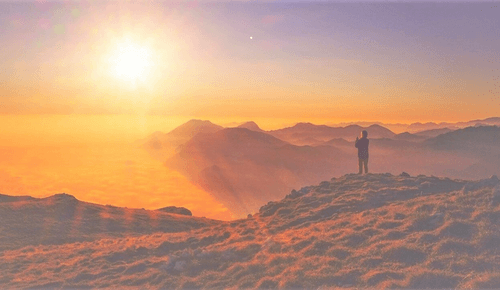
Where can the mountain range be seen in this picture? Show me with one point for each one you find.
(245, 166)
(245, 169)
(310, 134)
(418, 127)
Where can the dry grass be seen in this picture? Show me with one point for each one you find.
(373, 231)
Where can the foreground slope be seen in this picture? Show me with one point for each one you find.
(376, 231)
(61, 219)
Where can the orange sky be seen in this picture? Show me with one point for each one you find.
(95, 160)
(81, 82)
(338, 62)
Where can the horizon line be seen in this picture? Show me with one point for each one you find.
(229, 118)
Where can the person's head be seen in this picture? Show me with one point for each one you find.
(364, 134)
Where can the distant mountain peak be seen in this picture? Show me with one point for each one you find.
(176, 210)
(353, 126)
(304, 124)
(251, 125)
(239, 135)
(198, 121)
(408, 136)
(64, 197)
(193, 127)
(376, 126)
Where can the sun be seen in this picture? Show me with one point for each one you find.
(131, 62)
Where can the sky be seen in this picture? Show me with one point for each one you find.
(399, 62)
(83, 82)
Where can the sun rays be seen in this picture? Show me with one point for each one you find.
(131, 62)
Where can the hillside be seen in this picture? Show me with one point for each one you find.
(244, 169)
(61, 219)
(473, 139)
(372, 231)
(480, 144)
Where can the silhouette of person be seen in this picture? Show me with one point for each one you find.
(362, 145)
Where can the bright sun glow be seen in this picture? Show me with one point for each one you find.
(131, 62)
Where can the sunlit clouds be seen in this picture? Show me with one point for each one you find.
(115, 175)
(97, 159)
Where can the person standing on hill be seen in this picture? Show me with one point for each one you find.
(362, 145)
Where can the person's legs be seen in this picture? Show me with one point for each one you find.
(365, 163)
(360, 166)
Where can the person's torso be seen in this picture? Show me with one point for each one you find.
(363, 148)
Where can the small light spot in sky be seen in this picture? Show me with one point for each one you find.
(251, 37)
(75, 12)
(59, 29)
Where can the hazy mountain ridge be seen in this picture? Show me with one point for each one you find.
(481, 144)
(433, 132)
(409, 137)
(372, 231)
(180, 135)
(308, 134)
(162, 145)
(251, 125)
(339, 142)
(62, 218)
(418, 127)
(494, 121)
(244, 168)
(469, 138)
